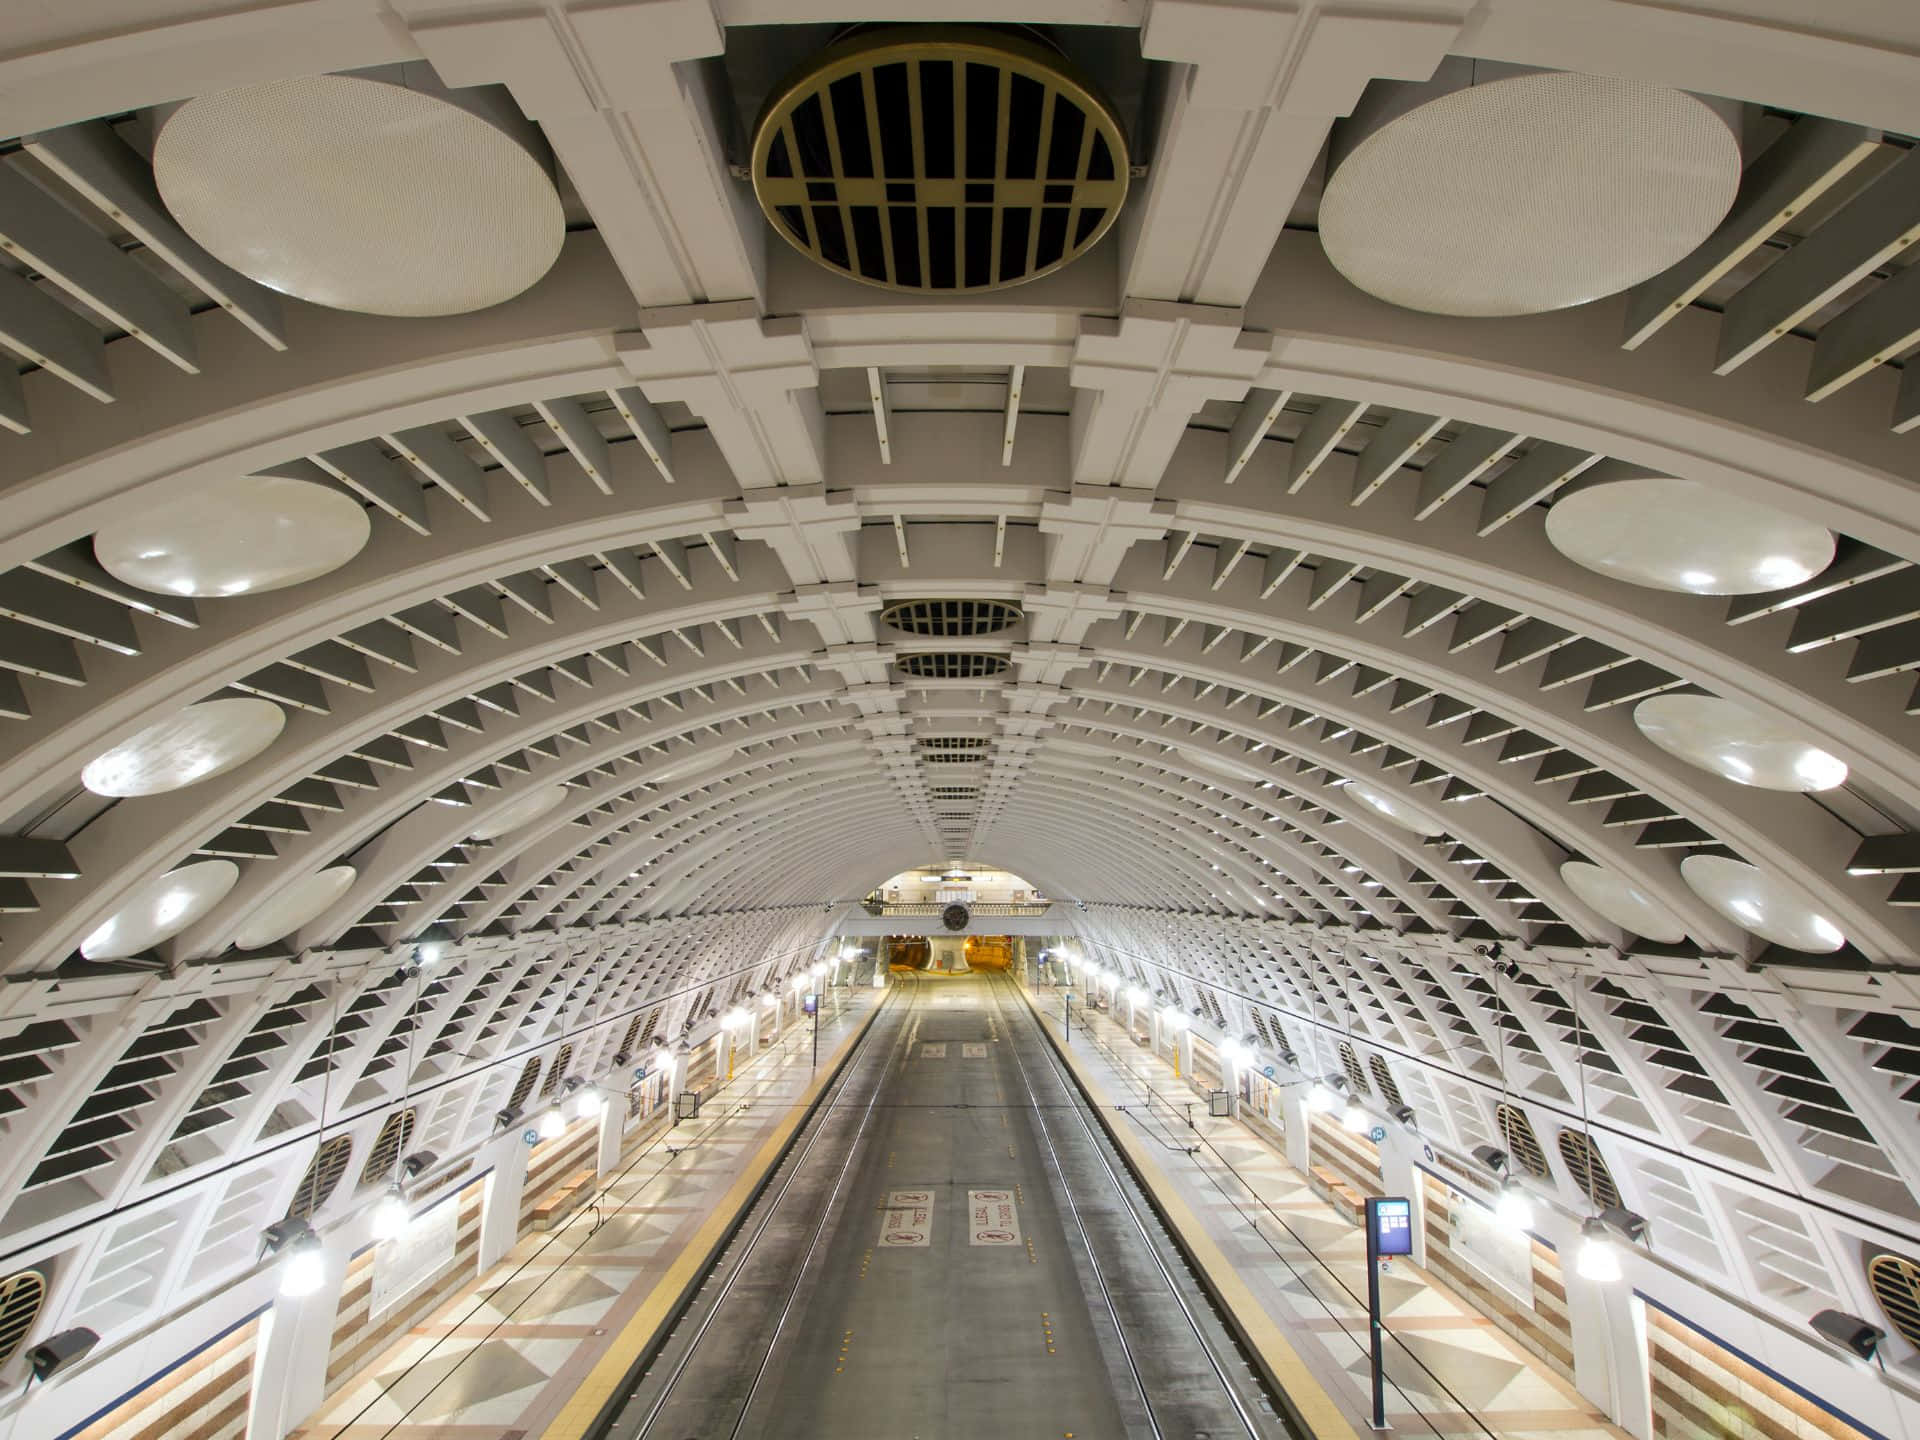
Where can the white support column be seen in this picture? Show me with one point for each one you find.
(613, 1135)
(1183, 1053)
(500, 1206)
(1610, 1361)
(290, 1363)
(1230, 1070)
(753, 1009)
(675, 1067)
(1401, 1176)
(1296, 1118)
(722, 1054)
(1153, 1031)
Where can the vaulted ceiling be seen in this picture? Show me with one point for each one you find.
(581, 577)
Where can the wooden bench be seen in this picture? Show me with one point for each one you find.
(561, 1201)
(1337, 1193)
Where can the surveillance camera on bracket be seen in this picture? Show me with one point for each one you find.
(1627, 1223)
(1491, 1156)
(419, 1162)
(56, 1352)
(507, 1117)
(1403, 1114)
(1849, 1332)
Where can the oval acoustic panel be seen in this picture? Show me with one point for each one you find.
(939, 160)
(353, 192)
(237, 535)
(1493, 190)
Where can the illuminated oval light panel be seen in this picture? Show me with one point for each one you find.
(515, 813)
(1684, 536)
(161, 909)
(1618, 900)
(192, 745)
(1527, 192)
(1742, 745)
(1761, 904)
(234, 536)
(364, 195)
(295, 906)
(1391, 807)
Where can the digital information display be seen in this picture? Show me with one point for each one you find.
(810, 1005)
(1392, 1226)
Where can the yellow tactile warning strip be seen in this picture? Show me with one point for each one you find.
(637, 1334)
(1313, 1405)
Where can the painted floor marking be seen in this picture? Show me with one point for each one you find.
(992, 1217)
(909, 1219)
(934, 1051)
(970, 1051)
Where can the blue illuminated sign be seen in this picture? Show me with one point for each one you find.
(810, 1005)
(1392, 1220)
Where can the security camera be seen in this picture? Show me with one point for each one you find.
(1491, 1156)
(419, 1162)
(1848, 1331)
(57, 1352)
(1403, 1114)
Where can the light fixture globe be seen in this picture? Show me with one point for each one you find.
(1513, 1207)
(389, 1218)
(1598, 1258)
(303, 1267)
(382, 192)
(1496, 190)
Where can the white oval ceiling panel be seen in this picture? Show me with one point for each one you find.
(522, 811)
(1739, 744)
(1685, 536)
(362, 195)
(1760, 904)
(195, 744)
(161, 909)
(234, 536)
(1619, 901)
(1522, 194)
(1403, 813)
(294, 906)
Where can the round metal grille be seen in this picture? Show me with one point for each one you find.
(329, 1163)
(952, 619)
(1588, 1168)
(939, 160)
(1896, 1285)
(384, 1157)
(1522, 1144)
(954, 665)
(20, 1296)
(955, 917)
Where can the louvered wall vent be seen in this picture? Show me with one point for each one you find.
(939, 160)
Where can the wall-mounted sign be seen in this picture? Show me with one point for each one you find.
(404, 1264)
(1377, 1134)
(810, 1005)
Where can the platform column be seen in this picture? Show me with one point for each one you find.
(506, 1155)
(1610, 1358)
(295, 1338)
(1294, 1117)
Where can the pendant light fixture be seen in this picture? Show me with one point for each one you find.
(303, 1261)
(391, 1216)
(1598, 1258)
(1513, 1205)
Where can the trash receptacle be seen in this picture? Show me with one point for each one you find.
(1220, 1103)
(686, 1105)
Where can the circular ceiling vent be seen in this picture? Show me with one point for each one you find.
(1494, 190)
(952, 619)
(939, 160)
(954, 665)
(381, 192)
